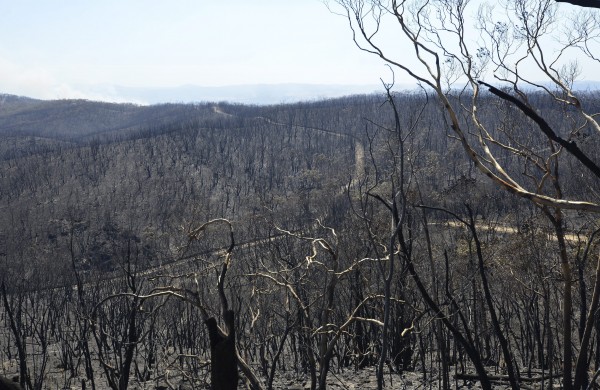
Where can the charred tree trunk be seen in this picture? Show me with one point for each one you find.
(7, 384)
(223, 366)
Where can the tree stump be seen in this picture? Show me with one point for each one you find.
(7, 384)
(223, 361)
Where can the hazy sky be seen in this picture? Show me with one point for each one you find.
(57, 49)
(79, 48)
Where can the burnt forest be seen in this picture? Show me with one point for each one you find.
(341, 243)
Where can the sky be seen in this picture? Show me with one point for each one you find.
(103, 49)
(74, 48)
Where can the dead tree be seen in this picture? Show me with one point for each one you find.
(223, 367)
(225, 359)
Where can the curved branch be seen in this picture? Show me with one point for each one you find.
(570, 146)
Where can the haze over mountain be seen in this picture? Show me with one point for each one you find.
(243, 93)
(260, 94)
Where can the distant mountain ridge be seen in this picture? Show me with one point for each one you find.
(587, 85)
(261, 94)
(251, 94)
(267, 94)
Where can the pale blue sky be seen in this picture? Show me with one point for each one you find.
(85, 48)
(56, 49)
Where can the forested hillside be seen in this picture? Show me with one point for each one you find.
(101, 213)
